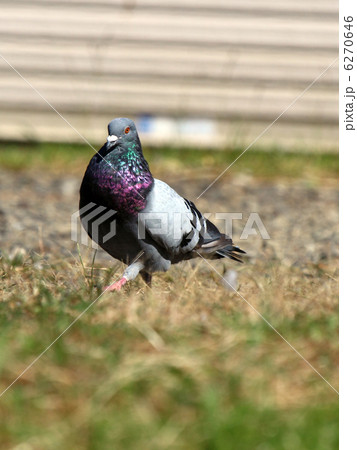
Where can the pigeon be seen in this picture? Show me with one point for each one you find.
(141, 220)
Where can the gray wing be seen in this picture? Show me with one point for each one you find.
(172, 222)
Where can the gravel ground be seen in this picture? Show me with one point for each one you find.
(302, 220)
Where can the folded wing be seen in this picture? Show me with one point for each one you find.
(175, 224)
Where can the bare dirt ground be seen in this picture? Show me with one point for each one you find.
(301, 219)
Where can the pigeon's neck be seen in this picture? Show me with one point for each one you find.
(124, 180)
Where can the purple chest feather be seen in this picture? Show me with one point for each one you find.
(123, 184)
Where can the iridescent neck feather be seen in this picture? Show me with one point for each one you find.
(123, 178)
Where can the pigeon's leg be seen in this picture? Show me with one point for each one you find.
(146, 276)
(117, 285)
(130, 273)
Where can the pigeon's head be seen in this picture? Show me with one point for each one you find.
(122, 132)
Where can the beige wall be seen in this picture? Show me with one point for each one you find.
(202, 73)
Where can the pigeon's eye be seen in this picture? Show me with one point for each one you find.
(127, 129)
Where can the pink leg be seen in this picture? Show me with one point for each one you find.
(116, 286)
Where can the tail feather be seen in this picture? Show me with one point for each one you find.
(231, 252)
(221, 248)
(214, 244)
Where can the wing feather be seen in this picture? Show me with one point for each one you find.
(175, 224)
(169, 220)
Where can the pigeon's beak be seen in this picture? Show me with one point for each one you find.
(112, 138)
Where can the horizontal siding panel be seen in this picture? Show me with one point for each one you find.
(274, 68)
(55, 23)
(168, 98)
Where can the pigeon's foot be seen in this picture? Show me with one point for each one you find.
(117, 285)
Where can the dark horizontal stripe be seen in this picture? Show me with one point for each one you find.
(192, 44)
(218, 10)
(208, 79)
(305, 117)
